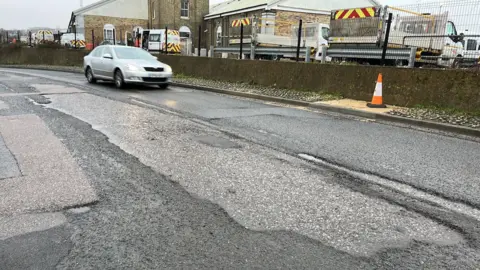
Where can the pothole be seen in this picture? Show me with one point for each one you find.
(217, 142)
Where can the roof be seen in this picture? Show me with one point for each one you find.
(237, 6)
(231, 7)
(92, 6)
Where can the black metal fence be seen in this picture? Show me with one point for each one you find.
(442, 34)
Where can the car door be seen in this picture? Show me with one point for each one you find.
(96, 61)
(107, 64)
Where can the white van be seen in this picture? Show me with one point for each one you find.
(156, 40)
(68, 40)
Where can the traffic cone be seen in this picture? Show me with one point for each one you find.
(377, 100)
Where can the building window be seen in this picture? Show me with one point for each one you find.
(109, 32)
(184, 8)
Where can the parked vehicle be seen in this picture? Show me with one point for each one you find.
(43, 36)
(314, 35)
(68, 40)
(126, 65)
(471, 49)
(434, 36)
(153, 40)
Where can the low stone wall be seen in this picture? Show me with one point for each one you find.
(41, 56)
(404, 87)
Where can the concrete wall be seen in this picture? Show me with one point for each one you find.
(405, 87)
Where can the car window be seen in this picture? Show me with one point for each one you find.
(132, 53)
(97, 52)
(107, 50)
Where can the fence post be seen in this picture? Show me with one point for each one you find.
(254, 38)
(199, 38)
(75, 35)
(140, 45)
(324, 54)
(387, 35)
(18, 37)
(93, 39)
(307, 54)
(114, 37)
(30, 38)
(413, 54)
(299, 43)
(241, 40)
(166, 39)
(43, 37)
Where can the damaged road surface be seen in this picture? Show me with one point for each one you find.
(96, 178)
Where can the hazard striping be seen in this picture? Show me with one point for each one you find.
(239, 22)
(399, 187)
(355, 13)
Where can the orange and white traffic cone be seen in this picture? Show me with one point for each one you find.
(377, 100)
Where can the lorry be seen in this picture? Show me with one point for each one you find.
(434, 36)
(153, 40)
(314, 36)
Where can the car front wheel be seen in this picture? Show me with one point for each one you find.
(89, 75)
(118, 78)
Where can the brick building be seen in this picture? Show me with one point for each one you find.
(183, 15)
(282, 16)
(110, 20)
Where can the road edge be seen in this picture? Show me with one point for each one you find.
(325, 107)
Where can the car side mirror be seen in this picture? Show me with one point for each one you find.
(108, 56)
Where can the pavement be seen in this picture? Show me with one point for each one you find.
(146, 178)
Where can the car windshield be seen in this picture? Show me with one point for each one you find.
(132, 53)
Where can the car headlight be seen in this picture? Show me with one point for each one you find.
(132, 67)
(167, 68)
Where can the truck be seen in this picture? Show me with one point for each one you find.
(434, 36)
(314, 36)
(153, 40)
(263, 36)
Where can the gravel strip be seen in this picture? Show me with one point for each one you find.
(438, 115)
(256, 89)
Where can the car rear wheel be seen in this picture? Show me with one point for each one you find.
(89, 75)
(118, 78)
(163, 86)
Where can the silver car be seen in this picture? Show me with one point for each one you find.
(126, 65)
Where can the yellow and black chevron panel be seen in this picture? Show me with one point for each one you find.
(355, 13)
(313, 51)
(173, 32)
(80, 43)
(174, 48)
(244, 22)
(46, 32)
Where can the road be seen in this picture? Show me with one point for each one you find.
(143, 178)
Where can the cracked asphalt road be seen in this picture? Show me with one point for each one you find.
(188, 179)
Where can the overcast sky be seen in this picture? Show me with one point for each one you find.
(20, 14)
